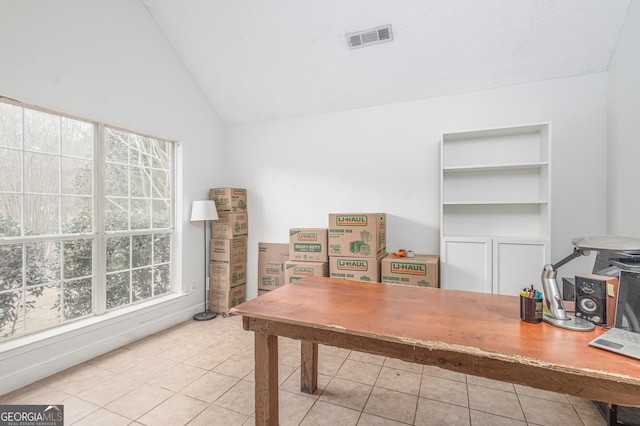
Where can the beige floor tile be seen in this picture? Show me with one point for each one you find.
(587, 411)
(236, 366)
(240, 398)
(358, 371)
(284, 371)
(365, 357)
(177, 410)
(139, 401)
(209, 386)
(219, 416)
(325, 350)
(489, 383)
(178, 377)
(346, 393)
(102, 417)
(478, 418)
(118, 360)
(325, 414)
(293, 407)
(150, 369)
(329, 365)
(430, 370)
(544, 412)
(292, 384)
(392, 405)
(209, 359)
(541, 394)
(399, 380)
(78, 378)
(109, 390)
(36, 393)
(76, 409)
(444, 390)
(432, 413)
(367, 419)
(495, 401)
(403, 365)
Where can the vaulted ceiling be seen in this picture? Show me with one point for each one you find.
(258, 60)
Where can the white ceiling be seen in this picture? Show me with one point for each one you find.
(258, 60)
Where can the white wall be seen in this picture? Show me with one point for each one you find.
(108, 61)
(624, 129)
(387, 159)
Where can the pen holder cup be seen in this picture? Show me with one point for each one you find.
(531, 309)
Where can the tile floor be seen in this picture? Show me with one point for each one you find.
(201, 373)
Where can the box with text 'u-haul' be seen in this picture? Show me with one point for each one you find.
(230, 225)
(308, 244)
(357, 234)
(295, 270)
(227, 275)
(356, 268)
(271, 260)
(229, 250)
(221, 301)
(230, 200)
(421, 270)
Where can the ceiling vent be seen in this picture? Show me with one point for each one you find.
(370, 37)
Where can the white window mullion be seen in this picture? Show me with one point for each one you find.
(100, 242)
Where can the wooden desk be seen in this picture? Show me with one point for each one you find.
(473, 333)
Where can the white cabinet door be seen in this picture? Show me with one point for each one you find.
(466, 264)
(518, 263)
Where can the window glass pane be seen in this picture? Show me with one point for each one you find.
(142, 284)
(41, 214)
(116, 144)
(41, 173)
(41, 131)
(161, 248)
(77, 138)
(117, 214)
(9, 215)
(76, 215)
(161, 155)
(42, 263)
(141, 252)
(11, 318)
(140, 214)
(41, 307)
(162, 280)
(77, 178)
(140, 182)
(78, 258)
(118, 289)
(161, 184)
(161, 214)
(140, 151)
(116, 180)
(118, 254)
(10, 266)
(10, 125)
(77, 298)
(10, 170)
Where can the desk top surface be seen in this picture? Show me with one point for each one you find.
(485, 325)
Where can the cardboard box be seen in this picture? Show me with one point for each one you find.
(295, 270)
(356, 268)
(229, 200)
(421, 270)
(271, 260)
(221, 301)
(357, 234)
(230, 225)
(308, 244)
(229, 250)
(224, 276)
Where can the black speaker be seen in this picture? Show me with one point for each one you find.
(591, 298)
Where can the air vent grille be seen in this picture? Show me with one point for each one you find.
(370, 37)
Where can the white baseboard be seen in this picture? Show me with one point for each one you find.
(27, 360)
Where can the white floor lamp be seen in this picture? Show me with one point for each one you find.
(204, 211)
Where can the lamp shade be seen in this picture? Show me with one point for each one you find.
(203, 210)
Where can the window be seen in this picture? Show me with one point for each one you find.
(69, 190)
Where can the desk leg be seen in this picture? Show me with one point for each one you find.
(309, 367)
(266, 362)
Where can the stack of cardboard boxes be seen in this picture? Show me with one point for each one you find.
(228, 266)
(271, 260)
(357, 245)
(308, 254)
